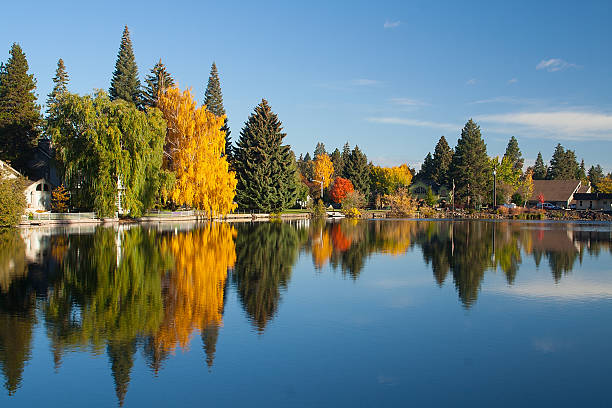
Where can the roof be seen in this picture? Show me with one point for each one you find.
(7, 167)
(554, 190)
(593, 196)
(584, 188)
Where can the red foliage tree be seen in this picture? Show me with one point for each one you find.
(340, 189)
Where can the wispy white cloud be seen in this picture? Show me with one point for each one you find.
(391, 24)
(554, 65)
(510, 100)
(471, 81)
(513, 81)
(566, 124)
(408, 102)
(575, 290)
(414, 122)
(365, 82)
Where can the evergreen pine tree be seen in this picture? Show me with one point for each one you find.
(514, 154)
(265, 168)
(19, 114)
(158, 80)
(125, 83)
(346, 154)
(336, 158)
(213, 99)
(307, 158)
(357, 170)
(427, 170)
(443, 155)
(469, 167)
(595, 175)
(319, 150)
(582, 171)
(539, 169)
(563, 165)
(60, 84)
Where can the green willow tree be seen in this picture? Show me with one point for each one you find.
(125, 83)
(265, 168)
(213, 99)
(470, 166)
(158, 80)
(12, 200)
(20, 117)
(101, 143)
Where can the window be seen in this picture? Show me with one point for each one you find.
(420, 190)
(581, 203)
(39, 187)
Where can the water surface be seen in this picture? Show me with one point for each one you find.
(352, 313)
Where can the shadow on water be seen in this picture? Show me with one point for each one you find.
(120, 290)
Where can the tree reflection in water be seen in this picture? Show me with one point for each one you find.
(118, 290)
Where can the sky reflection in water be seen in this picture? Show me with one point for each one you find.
(351, 313)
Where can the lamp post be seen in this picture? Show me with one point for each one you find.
(494, 188)
(321, 183)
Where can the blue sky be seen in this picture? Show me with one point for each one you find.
(391, 77)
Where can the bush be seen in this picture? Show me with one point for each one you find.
(352, 213)
(427, 212)
(400, 203)
(503, 211)
(318, 210)
(12, 200)
(353, 200)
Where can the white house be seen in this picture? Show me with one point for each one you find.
(37, 193)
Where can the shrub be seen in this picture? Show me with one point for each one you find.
(503, 211)
(12, 200)
(354, 199)
(400, 203)
(352, 213)
(427, 212)
(318, 210)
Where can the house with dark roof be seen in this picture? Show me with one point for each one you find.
(37, 193)
(593, 201)
(558, 192)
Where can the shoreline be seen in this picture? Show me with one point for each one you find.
(568, 216)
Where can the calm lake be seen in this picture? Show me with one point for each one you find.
(383, 313)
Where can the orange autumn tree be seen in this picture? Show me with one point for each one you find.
(323, 169)
(194, 299)
(340, 189)
(195, 152)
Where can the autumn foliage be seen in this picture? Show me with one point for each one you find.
(323, 169)
(195, 152)
(195, 287)
(340, 189)
(59, 199)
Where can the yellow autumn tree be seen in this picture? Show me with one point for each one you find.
(195, 285)
(195, 152)
(323, 169)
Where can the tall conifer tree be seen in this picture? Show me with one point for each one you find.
(427, 169)
(357, 170)
(539, 169)
(563, 165)
(213, 99)
(443, 155)
(158, 80)
(513, 153)
(60, 84)
(265, 168)
(319, 150)
(20, 117)
(125, 83)
(470, 165)
(336, 158)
